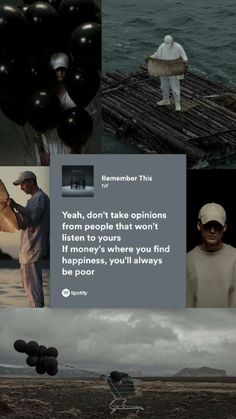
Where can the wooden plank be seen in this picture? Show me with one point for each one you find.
(131, 109)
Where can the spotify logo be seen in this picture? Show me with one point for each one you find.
(65, 293)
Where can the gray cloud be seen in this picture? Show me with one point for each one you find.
(160, 342)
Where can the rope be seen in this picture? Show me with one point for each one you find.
(21, 140)
(129, 84)
(127, 78)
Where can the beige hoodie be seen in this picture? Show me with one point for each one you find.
(211, 278)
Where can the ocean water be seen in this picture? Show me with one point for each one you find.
(205, 28)
(11, 289)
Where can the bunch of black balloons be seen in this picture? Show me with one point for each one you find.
(122, 382)
(29, 35)
(43, 359)
(116, 376)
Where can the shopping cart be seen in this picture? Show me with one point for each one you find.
(123, 388)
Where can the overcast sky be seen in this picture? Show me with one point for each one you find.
(156, 342)
(9, 242)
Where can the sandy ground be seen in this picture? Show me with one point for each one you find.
(67, 398)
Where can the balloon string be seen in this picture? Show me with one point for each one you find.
(72, 367)
(28, 141)
(38, 144)
(21, 140)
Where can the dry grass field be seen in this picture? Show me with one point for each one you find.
(22, 398)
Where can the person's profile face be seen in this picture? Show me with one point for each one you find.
(211, 232)
(60, 74)
(26, 186)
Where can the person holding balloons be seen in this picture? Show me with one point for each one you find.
(43, 117)
(69, 132)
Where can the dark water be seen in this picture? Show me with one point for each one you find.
(205, 28)
(11, 289)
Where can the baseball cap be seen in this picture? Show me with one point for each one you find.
(24, 176)
(212, 212)
(59, 60)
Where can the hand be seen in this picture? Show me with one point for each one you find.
(11, 203)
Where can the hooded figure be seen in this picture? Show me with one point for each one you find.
(52, 143)
(170, 50)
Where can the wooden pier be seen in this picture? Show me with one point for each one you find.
(205, 125)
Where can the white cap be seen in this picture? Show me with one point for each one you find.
(212, 212)
(24, 176)
(168, 40)
(58, 60)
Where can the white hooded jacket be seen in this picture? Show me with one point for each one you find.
(172, 52)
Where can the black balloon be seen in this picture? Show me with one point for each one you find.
(43, 22)
(44, 110)
(32, 347)
(13, 28)
(42, 361)
(75, 127)
(41, 16)
(20, 345)
(51, 352)
(52, 372)
(41, 351)
(82, 85)
(75, 12)
(54, 3)
(50, 363)
(16, 112)
(85, 44)
(38, 75)
(12, 80)
(32, 360)
(20, 75)
(40, 369)
(24, 8)
(116, 376)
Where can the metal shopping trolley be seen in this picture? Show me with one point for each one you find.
(123, 388)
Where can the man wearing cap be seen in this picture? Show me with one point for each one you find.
(33, 220)
(211, 267)
(170, 50)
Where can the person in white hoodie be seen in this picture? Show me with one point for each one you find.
(211, 267)
(52, 144)
(170, 50)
